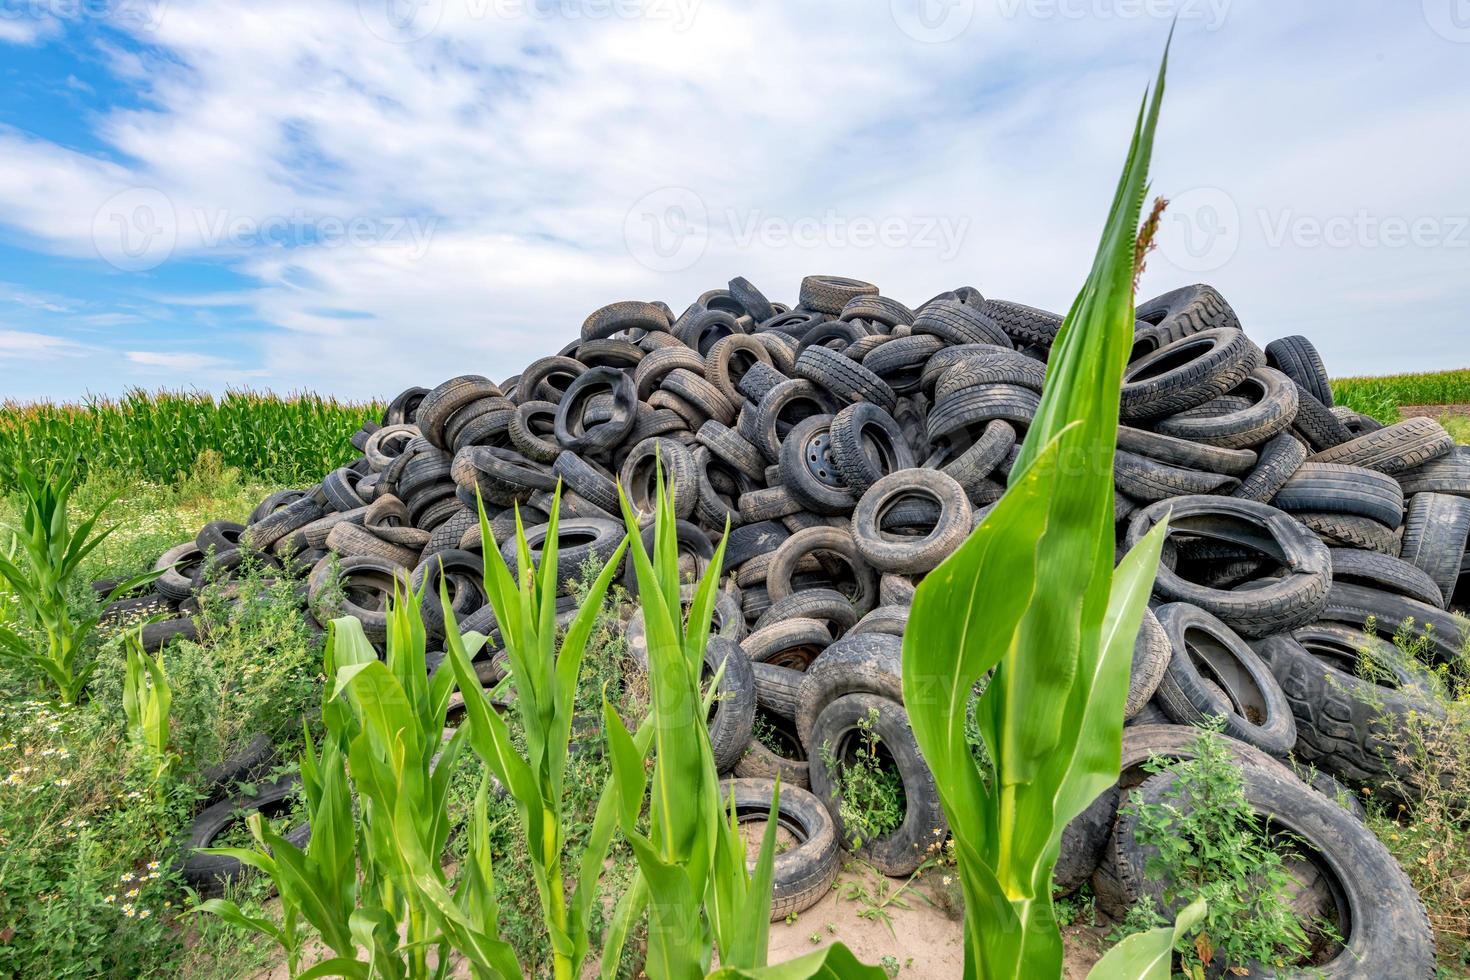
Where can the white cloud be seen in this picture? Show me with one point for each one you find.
(24, 345)
(527, 140)
(175, 360)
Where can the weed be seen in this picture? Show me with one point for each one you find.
(868, 785)
(1206, 841)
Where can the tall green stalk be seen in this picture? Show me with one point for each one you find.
(53, 553)
(693, 880)
(1032, 607)
(544, 678)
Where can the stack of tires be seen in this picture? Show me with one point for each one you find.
(852, 442)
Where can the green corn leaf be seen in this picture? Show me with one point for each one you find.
(1148, 955)
(1048, 648)
(834, 962)
(232, 914)
(336, 966)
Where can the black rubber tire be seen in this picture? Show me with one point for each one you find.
(179, 566)
(621, 354)
(1355, 605)
(1272, 408)
(348, 539)
(809, 470)
(1203, 648)
(587, 480)
(783, 407)
(877, 309)
(749, 540)
(1297, 358)
(1151, 655)
(751, 299)
(729, 360)
(866, 445)
(1315, 423)
(803, 874)
(830, 540)
(640, 472)
(273, 503)
(733, 713)
(623, 316)
(155, 636)
(1334, 488)
(1380, 915)
(760, 762)
(924, 826)
(1393, 448)
(1435, 533)
(829, 294)
(692, 545)
(1187, 373)
(1275, 605)
(1148, 480)
(846, 380)
(863, 663)
(209, 873)
(278, 523)
(1449, 473)
(726, 621)
(1186, 311)
(1380, 571)
(441, 403)
(1024, 324)
(1351, 531)
(219, 535)
(793, 643)
(462, 574)
(574, 432)
(578, 541)
(732, 448)
(1084, 840)
(900, 361)
(1279, 460)
(1346, 723)
(403, 409)
(757, 382)
(955, 322)
(776, 688)
(970, 409)
(824, 605)
(249, 764)
(909, 554)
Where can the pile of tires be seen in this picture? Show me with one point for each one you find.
(852, 442)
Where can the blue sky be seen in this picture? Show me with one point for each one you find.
(355, 196)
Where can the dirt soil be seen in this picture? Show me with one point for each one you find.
(926, 939)
(1433, 411)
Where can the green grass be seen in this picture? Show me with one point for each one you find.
(1381, 397)
(159, 436)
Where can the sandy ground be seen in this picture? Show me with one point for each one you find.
(1433, 411)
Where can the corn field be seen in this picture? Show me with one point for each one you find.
(1381, 396)
(160, 435)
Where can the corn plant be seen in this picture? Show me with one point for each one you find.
(1032, 607)
(1149, 955)
(375, 883)
(544, 679)
(160, 435)
(146, 701)
(692, 876)
(52, 552)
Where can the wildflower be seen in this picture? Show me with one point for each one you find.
(128, 911)
(110, 899)
(144, 914)
(947, 879)
(127, 876)
(131, 893)
(152, 865)
(63, 781)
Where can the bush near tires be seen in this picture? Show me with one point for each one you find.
(850, 444)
